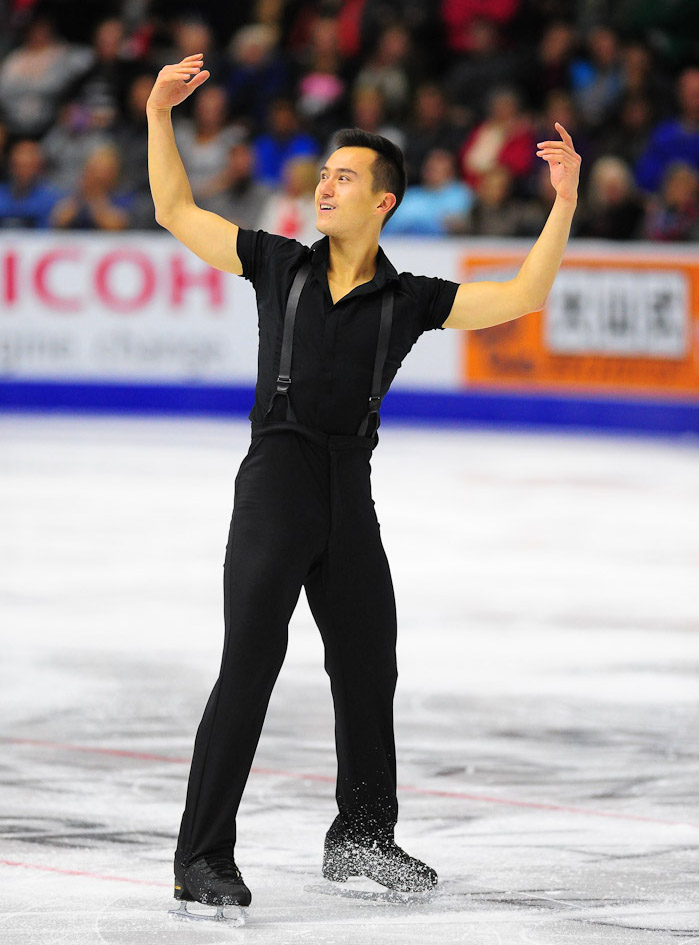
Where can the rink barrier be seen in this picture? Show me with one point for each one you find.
(483, 408)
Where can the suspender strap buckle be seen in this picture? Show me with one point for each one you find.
(283, 383)
(374, 403)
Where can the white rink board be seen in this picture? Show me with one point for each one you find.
(141, 308)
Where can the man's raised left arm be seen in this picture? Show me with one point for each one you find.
(483, 304)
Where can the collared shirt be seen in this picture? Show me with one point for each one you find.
(334, 345)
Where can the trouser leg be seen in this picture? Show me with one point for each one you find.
(275, 531)
(350, 593)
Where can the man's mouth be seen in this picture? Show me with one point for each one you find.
(326, 207)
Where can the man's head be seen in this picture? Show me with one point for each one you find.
(361, 184)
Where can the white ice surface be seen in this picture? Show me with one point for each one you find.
(547, 706)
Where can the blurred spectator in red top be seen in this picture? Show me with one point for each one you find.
(674, 214)
(460, 16)
(431, 129)
(36, 77)
(505, 139)
(291, 212)
(611, 209)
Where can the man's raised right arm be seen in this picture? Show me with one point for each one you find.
(208, 235)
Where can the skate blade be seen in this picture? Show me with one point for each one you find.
(237, 918)
(373, 895)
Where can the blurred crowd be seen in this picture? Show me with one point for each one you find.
(465, 87)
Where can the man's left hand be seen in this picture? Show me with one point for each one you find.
(564, 164)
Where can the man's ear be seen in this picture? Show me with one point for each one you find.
(387, 204)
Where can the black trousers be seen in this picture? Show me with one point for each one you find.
(303, 516)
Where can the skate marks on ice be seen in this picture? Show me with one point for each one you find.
(546, 736)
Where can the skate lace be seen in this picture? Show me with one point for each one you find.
(224, 867)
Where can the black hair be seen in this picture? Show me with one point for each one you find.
(387, 171)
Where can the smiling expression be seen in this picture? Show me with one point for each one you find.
(346, 202)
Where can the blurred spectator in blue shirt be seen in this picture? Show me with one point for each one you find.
(676, 139)
(439, 205)
(597, 79)
(282, 141)
(258, 72)
(674, 214)
(25, 199)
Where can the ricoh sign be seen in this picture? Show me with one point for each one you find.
(94, 306)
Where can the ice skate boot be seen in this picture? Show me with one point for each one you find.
(381, 860)
(212, 880)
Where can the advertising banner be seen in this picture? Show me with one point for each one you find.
(614, 321)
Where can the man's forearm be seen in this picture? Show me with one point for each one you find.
(168, 180)
(535, 278)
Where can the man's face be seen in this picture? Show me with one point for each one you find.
(346, 201)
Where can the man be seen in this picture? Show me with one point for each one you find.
(303, 513)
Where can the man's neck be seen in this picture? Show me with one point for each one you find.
(352, 261)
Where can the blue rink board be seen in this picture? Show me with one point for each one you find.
(467, 408)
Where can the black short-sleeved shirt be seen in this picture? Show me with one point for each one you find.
(334, 346)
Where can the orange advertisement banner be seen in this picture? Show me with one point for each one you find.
(624, 323)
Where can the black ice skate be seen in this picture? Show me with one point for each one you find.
(381, 860)
(214, 881)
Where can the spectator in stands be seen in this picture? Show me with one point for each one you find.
(36, 77)
(322, 86)
(104, 89)
(489, 65)
(674, 214)
(26, 199)
(369, 115)
(597, 77)
(389, 70)
(241, 198)
(676, 139)
(291, 212)
(505, 139)
(642, 78)
(192, 34)
(548, 70)
(628, 131)
(96, 204)
(463, 18)
(131, 139)
(284, 139)
(258, 72)
(496, 212)
(69, 143)
(431, 128)
(205, 141)
(439, 205)
(612, 208)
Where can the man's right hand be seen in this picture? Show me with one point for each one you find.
(175, 83)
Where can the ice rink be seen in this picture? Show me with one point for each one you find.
(546, 718)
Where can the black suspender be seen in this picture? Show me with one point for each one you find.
(292, 304)
(371, 421)
(381, 352)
